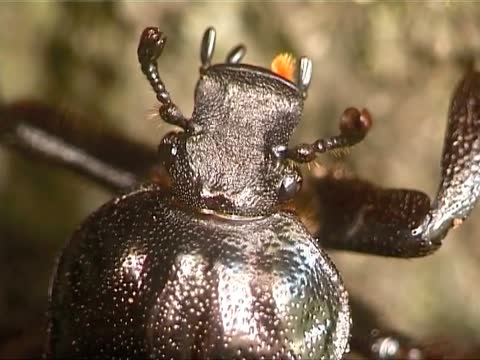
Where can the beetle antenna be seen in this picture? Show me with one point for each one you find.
(236, 55)
(304, 75)
(207, 47)
(354, 126)
(149, 50)
(150, 47)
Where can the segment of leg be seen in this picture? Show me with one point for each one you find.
(356, 215)
(352, 214)
(460, 185)
(373, 339)
(40, 131)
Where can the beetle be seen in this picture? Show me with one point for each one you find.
(219, 205)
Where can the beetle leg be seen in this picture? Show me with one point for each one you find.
(460, 185)
(354, 125)
(372, 339)
(360, 216)
(150, 47)
(109, 159)
(368, 341)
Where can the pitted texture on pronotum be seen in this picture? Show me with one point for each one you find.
(225, 163)
(143, 278)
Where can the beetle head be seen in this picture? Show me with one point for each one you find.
(226, 162)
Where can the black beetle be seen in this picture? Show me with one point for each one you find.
(211, 268)
(216, 264)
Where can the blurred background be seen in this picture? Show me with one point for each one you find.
(401, 60)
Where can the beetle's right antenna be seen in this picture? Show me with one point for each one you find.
(207, 47)
(150, 47)
(354, 126)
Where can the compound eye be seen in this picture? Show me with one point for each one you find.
(290, 185)
(168, 148)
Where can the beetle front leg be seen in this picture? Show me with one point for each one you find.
(460, 185)
(41, 131)
(360, 216)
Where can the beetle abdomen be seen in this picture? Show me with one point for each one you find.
(144, 278)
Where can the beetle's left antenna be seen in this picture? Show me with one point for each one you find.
(150, 47)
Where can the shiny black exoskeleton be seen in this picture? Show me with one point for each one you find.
(216, 264)
(211, 267)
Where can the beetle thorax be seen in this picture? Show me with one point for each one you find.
(226, 164)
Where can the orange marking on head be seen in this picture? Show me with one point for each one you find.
(284, 65)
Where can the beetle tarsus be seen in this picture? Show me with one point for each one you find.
(460, 185)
